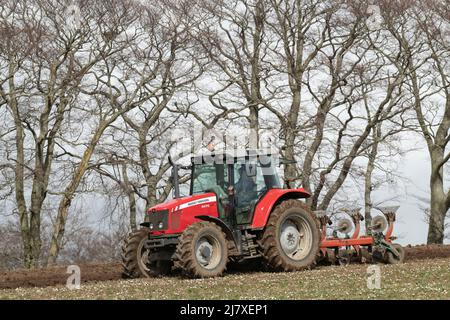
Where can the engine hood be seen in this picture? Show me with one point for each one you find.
(183, 202)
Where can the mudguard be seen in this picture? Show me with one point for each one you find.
(225, 228)
(273, 197)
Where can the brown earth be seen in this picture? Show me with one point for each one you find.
(57, 275)
(423, 252)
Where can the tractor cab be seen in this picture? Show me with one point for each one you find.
(238, 182)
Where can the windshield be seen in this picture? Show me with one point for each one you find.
(210, 177)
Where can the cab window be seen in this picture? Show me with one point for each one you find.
(210, 177)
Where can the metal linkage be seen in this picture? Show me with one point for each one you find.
(324, 220)
(357, 217)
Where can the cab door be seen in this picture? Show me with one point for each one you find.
(248, 186)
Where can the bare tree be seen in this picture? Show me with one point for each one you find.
(152, 64)
(420, 30)
(232, 34)
(332, 115)
(297, 43)
(42, 62)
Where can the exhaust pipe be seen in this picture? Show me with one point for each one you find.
(175, 182)
(175, 178)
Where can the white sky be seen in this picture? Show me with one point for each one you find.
(410, 226)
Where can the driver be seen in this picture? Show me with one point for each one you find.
(245, 187)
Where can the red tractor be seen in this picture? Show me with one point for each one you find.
(236, 210)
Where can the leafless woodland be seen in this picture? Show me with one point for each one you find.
(92, 91)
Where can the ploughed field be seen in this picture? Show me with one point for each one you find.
(426, 274)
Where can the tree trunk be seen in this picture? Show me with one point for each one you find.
(254, 127)
(64, 205)
(132, 204)
(437, 216)
(290, 172)
(152, 199)
(35, 230)
(29, 262)
(19, 172)
(131, 199)
(438, 207)
(255, 87)
(345, 170)
(312, 150)
(439, 204)
(368, 178)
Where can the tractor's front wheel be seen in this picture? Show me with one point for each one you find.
(291, 238)
(135, 258)
(202, 250)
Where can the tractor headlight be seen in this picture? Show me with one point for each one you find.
(151, 226)
(160, 225)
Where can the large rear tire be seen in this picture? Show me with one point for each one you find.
(291, 238)
(202, 250)
(135, 258)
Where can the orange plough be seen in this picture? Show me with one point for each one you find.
(374, 246)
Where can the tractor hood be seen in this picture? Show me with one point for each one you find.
(184, 202)
(174, 216)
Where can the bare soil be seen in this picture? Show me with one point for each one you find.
(57, 275)
(98, 272)
(423, 252)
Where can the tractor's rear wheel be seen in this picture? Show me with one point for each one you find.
(291, 238)
(135, 258)
(202, 250)
(392, 259)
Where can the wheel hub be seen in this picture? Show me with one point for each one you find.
(204, 252)
(290, 237)
(295, 238)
